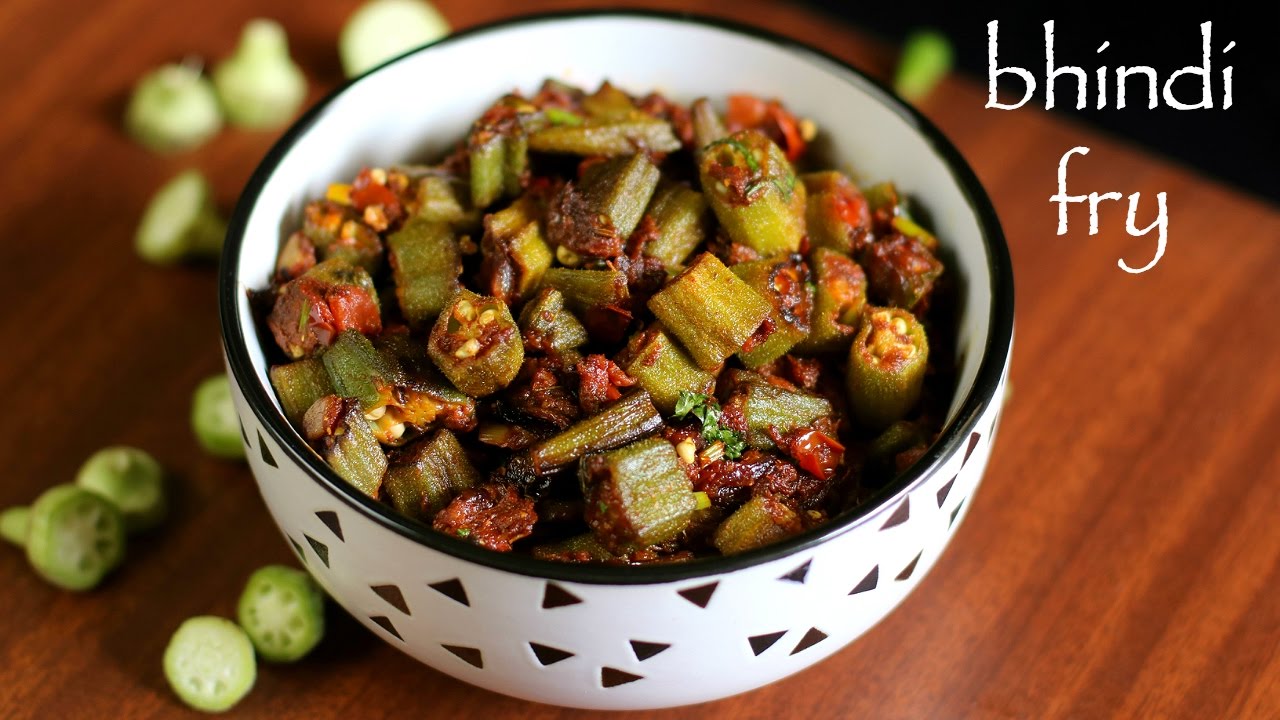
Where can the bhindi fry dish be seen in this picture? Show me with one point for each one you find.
(613, 328)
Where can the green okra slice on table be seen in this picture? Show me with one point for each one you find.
(840, 293)
(299, 384)
(661, 367)
(760, 521)
(476, 344)
(679, 216)
(636, 495)
(546, 325)
(338, 429)
(754, 192)
(425, 264)
(595, 218)
(426, 475)
(886, 368)
(625, 420)
(763, 405)
(711, 310)
(784, 282)
(837, 216)
(515, 253)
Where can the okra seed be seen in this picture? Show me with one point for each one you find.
(468, 349)
(487, 316)
(687, 450)
(900, 326)
(378, 175)
(567, 256)
(396, 431)
(808, 130)
(465, 310)
(376, 413)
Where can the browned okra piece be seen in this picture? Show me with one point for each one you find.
(711, 310)
(637, 495)
(311, 310)
(299, 384)
(839, 296)
(762, 405)
(837, 215)
(625, 420)
(476, 344)
(515, 254)
(337, 427)
(546, 325)
(426, 475)
(901, 271)
(595, 218)
(784, 282)
(337, 231)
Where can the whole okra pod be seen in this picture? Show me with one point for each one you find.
(476, 344)
(636, 495)
(711, 310)
(886, 369)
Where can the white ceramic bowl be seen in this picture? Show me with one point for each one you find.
(618, 637)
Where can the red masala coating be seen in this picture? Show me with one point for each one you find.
(598, 381)
(572, 223)
(490, 515)
(310, 313)
(900, 271)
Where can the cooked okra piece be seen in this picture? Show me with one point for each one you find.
(660, 366)
(515, 254)
(337, 231)
(596, 218)
(488, 170)
(759, 521)
(338, 428)
(425, 263)
(515, 158)
(679, 217)
(476, 344)
(837, 215)
(437, 199)
(392, 400)
(498, 159)
(600, 298)
(899, 437)
(901, 271)
(707, 125)
(784, 282)
(711, 310)
(754, 192)
(627, 419)
(546, 325)
(299, 384)
(636, 495)
(886, 368)
(609, 103)
(609, 138)
(311, 310)
(425, 476)
(764, 405)
(839, 296)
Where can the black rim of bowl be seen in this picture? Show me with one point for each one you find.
(975, 403)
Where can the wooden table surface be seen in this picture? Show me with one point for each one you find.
(1122, 558)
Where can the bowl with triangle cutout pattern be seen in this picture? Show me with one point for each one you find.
(618, 637)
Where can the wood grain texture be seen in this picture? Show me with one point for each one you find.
(1121, 560)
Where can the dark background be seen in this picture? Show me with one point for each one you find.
(1238, 145)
